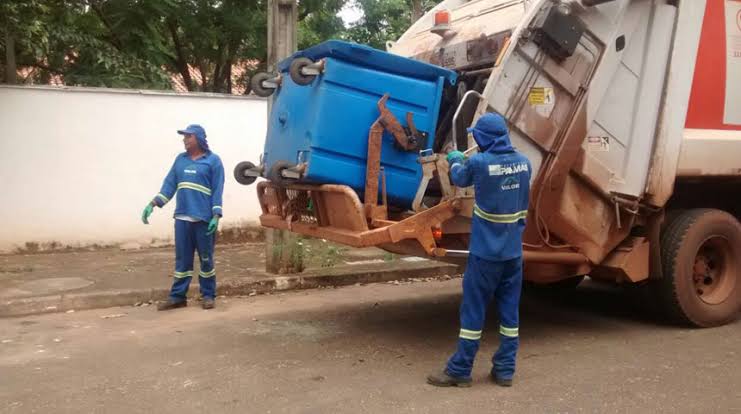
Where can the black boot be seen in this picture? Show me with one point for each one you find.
(208, 303)
(170, 305)
(501, 381)
(442, 379)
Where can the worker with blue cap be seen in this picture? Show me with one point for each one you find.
(501, 179)
(197, 176)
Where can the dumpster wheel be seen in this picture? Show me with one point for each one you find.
(256, 83)
(239, 173)
(275, 174)
(701, 260)
(295, 70)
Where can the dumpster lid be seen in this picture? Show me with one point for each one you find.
(372, 58)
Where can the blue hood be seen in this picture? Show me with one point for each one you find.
(491, 134)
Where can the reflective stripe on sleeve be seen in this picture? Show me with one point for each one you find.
(468, 334)
(509, 332)
(500, 218)
(163, 198)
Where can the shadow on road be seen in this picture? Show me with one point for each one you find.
(591, 309)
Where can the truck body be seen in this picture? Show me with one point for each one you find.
(630, 112)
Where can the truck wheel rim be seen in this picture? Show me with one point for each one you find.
(714, 270)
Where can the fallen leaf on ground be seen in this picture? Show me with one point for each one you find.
(115, 315)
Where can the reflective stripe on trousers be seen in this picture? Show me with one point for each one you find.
(483, 282)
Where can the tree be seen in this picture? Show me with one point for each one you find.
(318, 21)
(61, 38)
(20, 28)
(140, 43)
(210, 36)
(385, 20)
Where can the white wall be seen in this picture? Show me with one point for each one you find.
(77, 165)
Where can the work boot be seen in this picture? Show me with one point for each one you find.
(208, 303)
(170, 305)
(501, 381)
(442, 379)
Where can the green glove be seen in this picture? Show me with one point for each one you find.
(146, 213)
(213, 225)
(456, 156)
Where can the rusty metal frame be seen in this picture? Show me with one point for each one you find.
(386, 122)
(416, 227)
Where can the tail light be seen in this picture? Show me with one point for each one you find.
(437, 233)
(442, 23)
(442, 17)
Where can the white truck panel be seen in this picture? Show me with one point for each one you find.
(707, 152)
(669, 137)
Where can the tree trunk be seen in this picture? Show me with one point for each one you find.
(11, 70)
(180, 62)
(283, 249)
(229, 85)
(216, 86)
(204, 75)
(416, 10)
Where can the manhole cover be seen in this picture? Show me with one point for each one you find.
(53, 285)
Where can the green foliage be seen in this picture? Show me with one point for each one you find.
(383, 20)
(57, 37)
(318, 21)
(141, 43)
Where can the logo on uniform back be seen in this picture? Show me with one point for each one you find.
(507, 169)
(510, 183)
(187, 171)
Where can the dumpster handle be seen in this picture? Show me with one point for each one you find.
(458, 112)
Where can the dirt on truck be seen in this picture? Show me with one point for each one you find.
(629, 110)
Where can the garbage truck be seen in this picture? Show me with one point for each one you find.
(629, 111)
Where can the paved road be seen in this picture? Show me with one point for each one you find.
(362, 349)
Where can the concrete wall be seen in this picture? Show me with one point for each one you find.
(78, 165)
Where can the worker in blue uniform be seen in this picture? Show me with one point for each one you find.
(197, 176)
(501, 179)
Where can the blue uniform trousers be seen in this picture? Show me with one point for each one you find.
(189, 237)
(483, 281)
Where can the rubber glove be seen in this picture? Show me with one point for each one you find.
(456, 157)
(213, 225)
(146, 213)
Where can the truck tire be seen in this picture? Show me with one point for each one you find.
(701, 262)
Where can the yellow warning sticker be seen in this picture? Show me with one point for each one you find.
(540, 95)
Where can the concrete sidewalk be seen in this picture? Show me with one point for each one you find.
(59, 282)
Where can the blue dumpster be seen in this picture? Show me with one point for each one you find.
(325, 124)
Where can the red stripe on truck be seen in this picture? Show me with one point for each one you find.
(707, 100)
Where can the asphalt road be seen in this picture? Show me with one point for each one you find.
(363, 349)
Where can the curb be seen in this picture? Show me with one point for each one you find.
(335, 277)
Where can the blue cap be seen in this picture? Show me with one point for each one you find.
(199, 132)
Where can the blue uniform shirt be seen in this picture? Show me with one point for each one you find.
(199, 185)
(501, 179)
